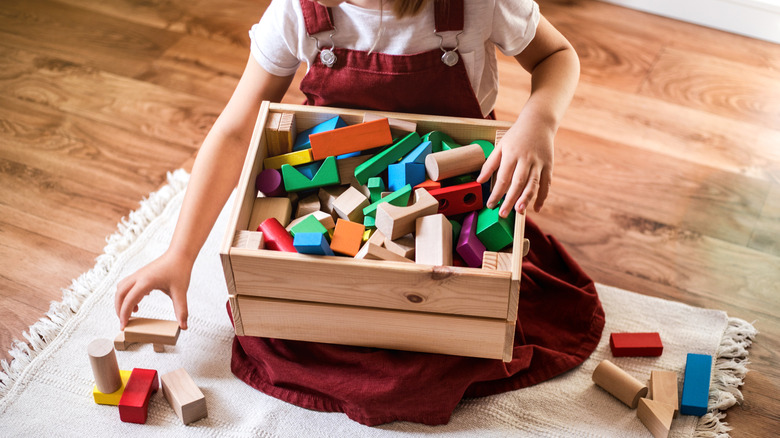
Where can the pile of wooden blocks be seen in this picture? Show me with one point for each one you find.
(657, 405)
(375, 190)
(131, 391)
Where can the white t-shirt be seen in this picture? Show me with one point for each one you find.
(280, 42)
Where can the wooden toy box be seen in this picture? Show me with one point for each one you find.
(405, 306)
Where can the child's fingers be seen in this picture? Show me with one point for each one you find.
(544, 189)
(130, 302)
(514, 197)
(490, 166)
(122, 289)
(180, 307)
(530, 190)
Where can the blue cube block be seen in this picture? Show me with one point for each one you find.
(696, 386)
(312, 243)
(401, 174)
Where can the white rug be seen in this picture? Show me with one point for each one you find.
(46, 390)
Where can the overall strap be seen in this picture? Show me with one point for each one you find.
(316, 17)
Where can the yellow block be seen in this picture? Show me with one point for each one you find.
(293, 159)
(113, 398)
(367, 234)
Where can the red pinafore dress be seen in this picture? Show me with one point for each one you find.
(560, 318)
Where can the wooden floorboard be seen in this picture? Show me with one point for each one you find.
(666, 179)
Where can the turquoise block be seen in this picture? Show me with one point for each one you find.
(369, 221)
(379, 162)
(494, 231)
(295, 181)
(696, 386)
(401, 174)
(309, 169)
(312, 243)
(302, 139)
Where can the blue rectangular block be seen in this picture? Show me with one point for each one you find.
(401, 174)
(312, 243)
(302, 139)
(696, 386)
(418, 154)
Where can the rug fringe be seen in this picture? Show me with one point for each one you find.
(729, 374)
(46, 329)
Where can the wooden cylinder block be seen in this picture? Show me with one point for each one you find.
(104, 365)
(454, 162)
(619, 383)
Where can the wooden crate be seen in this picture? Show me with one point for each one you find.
(405, 306)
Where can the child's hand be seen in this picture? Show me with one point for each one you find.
(169, 274)
(524, 160)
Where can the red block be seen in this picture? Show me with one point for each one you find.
(461, 198)
(134, 404)
(275, 236)
(635, 344)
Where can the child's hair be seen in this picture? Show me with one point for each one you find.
(408, 8)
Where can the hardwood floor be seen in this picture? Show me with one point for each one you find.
(667, 172)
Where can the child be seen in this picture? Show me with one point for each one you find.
(419, 56)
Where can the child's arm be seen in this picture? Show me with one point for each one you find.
(524, 157)
(214, 175)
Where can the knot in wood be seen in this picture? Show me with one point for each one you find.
(414, 298)
(441, 272)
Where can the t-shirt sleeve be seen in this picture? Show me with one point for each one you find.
(514, 25)
(274, 40)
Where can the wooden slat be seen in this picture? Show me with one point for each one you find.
(362, 326)
(406, 286)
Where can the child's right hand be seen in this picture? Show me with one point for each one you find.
(169, 274)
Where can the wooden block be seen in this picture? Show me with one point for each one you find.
(347, 237)
(657, 417)
(249, 240)
(292, 159)
(458, 199)
(619, 383)
(264, 208)
(696, 385)
(635, 344)
(324, 218)
(152, 331)
(269, 182)
(302, 139)
(399, 198)
(454, 162)
(494, 231)
(286, 133)
(276, 237)
(352, 138)
(401, 174)
(113, 397)
(379, 162)
(295, 181)
(350, 204)
(158, 348)
(394, 221)
(403, 246)
(433, 240)
(376, 186)
(372, 251)
(307, 205)
(347, 168)
(271, 136)
(119, 342)
(500, 133)
(469, 247)
(104, 366)
(526, 247)
(663, 389)
(398, 127)
(134, 404)
(497, 261)
(328, 196)
(184, 396)
(309, 224)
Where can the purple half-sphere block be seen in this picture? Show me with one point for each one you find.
(270, 182)
(469, 247)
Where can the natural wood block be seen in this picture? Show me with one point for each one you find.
(497, 261)
(184, 396)
(286, 133)
(347, 237)
(351, 138)
(656, 416)
(307, 205)
(619, 383)
(328, 196)
(347, 166)
(152, 331)
(403, 246)
(249, 240)
(158, 348)
(433, 240)
(350, 204)
(119, 342)
(663, 389)
(134, 403)
(264, 208)
(271, 137)
(113, 397)
(454, 162)
(104, 365)
(395, 221)
(373, 251)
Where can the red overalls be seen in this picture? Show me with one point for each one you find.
(560, 318)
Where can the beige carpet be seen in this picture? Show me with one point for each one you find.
(46, 390)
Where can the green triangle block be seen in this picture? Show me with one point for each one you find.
(399, 198)
(295, 181)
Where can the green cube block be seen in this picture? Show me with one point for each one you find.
(295, 181)
(379, 162)
(494, 231)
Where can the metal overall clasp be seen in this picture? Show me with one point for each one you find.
(327, 56)
(449, 57)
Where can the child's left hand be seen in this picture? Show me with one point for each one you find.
(524, 160)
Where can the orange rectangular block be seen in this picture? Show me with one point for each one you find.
(347, 237)
(351, 138)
